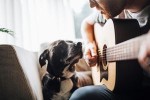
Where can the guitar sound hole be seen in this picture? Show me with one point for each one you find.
(104, 59)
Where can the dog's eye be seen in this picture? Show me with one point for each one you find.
(71, 68)
(68, 60)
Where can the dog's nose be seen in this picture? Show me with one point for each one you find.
(79, 44)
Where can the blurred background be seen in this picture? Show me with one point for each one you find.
(38, 21)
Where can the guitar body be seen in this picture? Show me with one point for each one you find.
(125, 75)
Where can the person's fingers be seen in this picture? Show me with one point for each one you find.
(90, 54)
(91, 60)
(146, 65)
(144, 56)
(87, 53)
(93, 49)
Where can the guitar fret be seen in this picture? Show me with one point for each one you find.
(124, 51)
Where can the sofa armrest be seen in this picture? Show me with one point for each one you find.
(19, 74)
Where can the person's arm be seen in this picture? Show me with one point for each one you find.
(87, 30)
(144, 54)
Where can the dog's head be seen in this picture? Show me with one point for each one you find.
(61, 56)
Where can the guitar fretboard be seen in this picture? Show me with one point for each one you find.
(124, 51)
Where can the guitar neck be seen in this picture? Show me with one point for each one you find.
(124, 51)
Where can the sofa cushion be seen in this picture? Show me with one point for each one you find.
(19, 74)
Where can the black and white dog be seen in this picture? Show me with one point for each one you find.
(61, 79)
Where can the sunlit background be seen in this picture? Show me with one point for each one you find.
(38, 21)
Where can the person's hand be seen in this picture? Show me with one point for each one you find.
(90, 54)
(144, 54)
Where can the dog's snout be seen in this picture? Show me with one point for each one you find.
(78, 44)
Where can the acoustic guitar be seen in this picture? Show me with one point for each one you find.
(118, 42)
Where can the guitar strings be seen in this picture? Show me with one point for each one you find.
(126, 50)
(134, 43)
(117, 53)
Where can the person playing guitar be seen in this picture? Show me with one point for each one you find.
(109, 87)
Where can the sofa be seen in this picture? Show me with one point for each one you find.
(21, 74)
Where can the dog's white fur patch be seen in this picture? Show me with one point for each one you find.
(65, 88)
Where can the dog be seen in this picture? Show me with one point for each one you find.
(61, 78)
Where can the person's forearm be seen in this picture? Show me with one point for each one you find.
(87, 31)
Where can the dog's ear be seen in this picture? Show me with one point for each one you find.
(43, 57)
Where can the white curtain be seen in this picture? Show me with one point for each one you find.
(37, 21)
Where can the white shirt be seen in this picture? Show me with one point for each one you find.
(141, 16)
